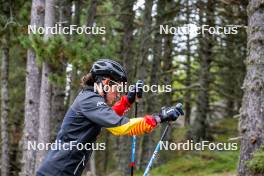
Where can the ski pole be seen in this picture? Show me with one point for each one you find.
(133, 147)
(157, 149)
(134, 139)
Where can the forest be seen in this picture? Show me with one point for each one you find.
(207, 55)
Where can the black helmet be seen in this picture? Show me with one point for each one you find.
(107, 67)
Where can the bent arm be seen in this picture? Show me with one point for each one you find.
(96, 110)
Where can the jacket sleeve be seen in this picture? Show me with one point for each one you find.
(96, 110)
(143, 125)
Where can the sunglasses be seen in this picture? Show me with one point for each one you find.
(113, 82)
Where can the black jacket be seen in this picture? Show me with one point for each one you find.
(82, 123)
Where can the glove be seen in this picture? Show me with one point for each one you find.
(171, 113)
(136, 90)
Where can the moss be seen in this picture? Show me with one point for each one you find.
(256, 164)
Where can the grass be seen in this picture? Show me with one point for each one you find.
(201, 163)
(205, 163)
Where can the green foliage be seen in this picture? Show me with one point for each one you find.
(79, 51)
(58, 79)
(256, 164)
(16, 89)
(225, 129)
(49, 50)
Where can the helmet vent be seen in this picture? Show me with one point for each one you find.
(117, 68)
(103, 64)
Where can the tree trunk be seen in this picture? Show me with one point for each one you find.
(57, 108)
(4, 109)
(188, 80)
(32, 96)
(58, 90)
(91, 13)
(74, 83)
(155, 67)
(144, 52)
(252, 113)
(127, 21)
(65, 12)
(200, 129)
(167, 59)
(232, 70)
(45, 89)
(93, 164)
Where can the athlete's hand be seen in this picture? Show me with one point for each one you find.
(135, 91)
(171, 113)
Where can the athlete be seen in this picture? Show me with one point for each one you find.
(91, 111)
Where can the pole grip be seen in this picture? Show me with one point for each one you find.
(139, 83)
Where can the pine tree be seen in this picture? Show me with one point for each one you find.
(200, 129)
(188, 81)
(45, 89)
(145, 43)
(5, 166)
(30, 133)
(251, 119)
(126, 55)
